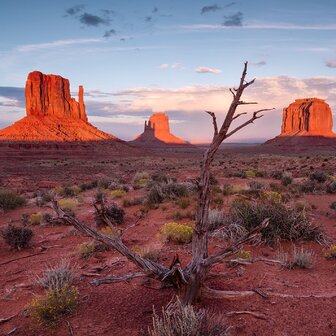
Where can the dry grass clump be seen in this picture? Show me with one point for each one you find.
(149, 253)
(17, 237)
(68, 204)
(58, 276)
(87, 249)
(10, 200)
(187, 321)
(299, 258)
(178, 233)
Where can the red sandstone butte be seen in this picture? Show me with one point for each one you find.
(157, 130)
(307, 117)
(52, 114)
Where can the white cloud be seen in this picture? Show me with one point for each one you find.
(331, 63)
(203, 69)
(164, 66)
(56, 44)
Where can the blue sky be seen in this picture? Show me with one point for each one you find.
(179, 56)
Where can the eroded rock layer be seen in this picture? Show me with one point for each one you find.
(52, 114)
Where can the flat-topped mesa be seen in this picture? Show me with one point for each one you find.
(49, 95)
(307, 117)
(157, 130)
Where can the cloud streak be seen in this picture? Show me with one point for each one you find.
(203, 70)
(331, 63)
(234, 20)
(212, 8)
(56, 44)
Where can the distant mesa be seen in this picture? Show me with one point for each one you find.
(157, 132)
(52, 114)
(307, 121)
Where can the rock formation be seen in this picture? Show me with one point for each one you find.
(309, 116)
(156, 131)
(52, 114)
(306, 122)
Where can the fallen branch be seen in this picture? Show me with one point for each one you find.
(247, 312)
(6, 319)
(70, 328)
(108, 280)
(24, 257)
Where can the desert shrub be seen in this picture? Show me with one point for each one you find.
(88, 185)
(43, 198)
(131, 202)
(302, 206)
(171, 190)
(286, 178)
(67, 204)
(332, 206)
(178, 233)
(244, 254)
(285, 223)
(107, 230)
(277, 187)
(67, 191)
(271, 196)
(48, 310)
(160, 178)
(35, 218)
(17, 237)
(276, 174)
(255, 185)
(48, 218)
(103, 183)
(183, 202)
(10, 200)
(330, 252)
(331, 187)
(227, 189)
(318, 176)
(58, 276)
(215, 219)
(118, 193)
(141, 179)
(250, 173)
(115, 214)
(25, 219)
(300, 258)
(311, 186)
(86, 250)
(187, 321)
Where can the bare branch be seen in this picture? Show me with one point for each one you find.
(250, 121)
(218, 257)
(125, 277)
(241, 102)
(238, 115)
(231, 90)
(214, 122)
(248, 312)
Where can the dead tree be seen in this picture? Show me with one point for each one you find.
(188, 281)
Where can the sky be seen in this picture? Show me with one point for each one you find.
(181, 57)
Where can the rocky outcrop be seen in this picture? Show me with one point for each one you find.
(52, 114)
(49, 95)
(309, 116)
(156, 131)
(306, 123)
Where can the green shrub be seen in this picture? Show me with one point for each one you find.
(171, 190)
(115, 214)
(277, 174)
(10, 200)
(178, 233)
(55, 304)
(183, 202)
(35, 218)
(89, 185)
(285, 223)
(17, 237)
(311, 186)
(43, 198)
(271, 196)
(318, 176)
